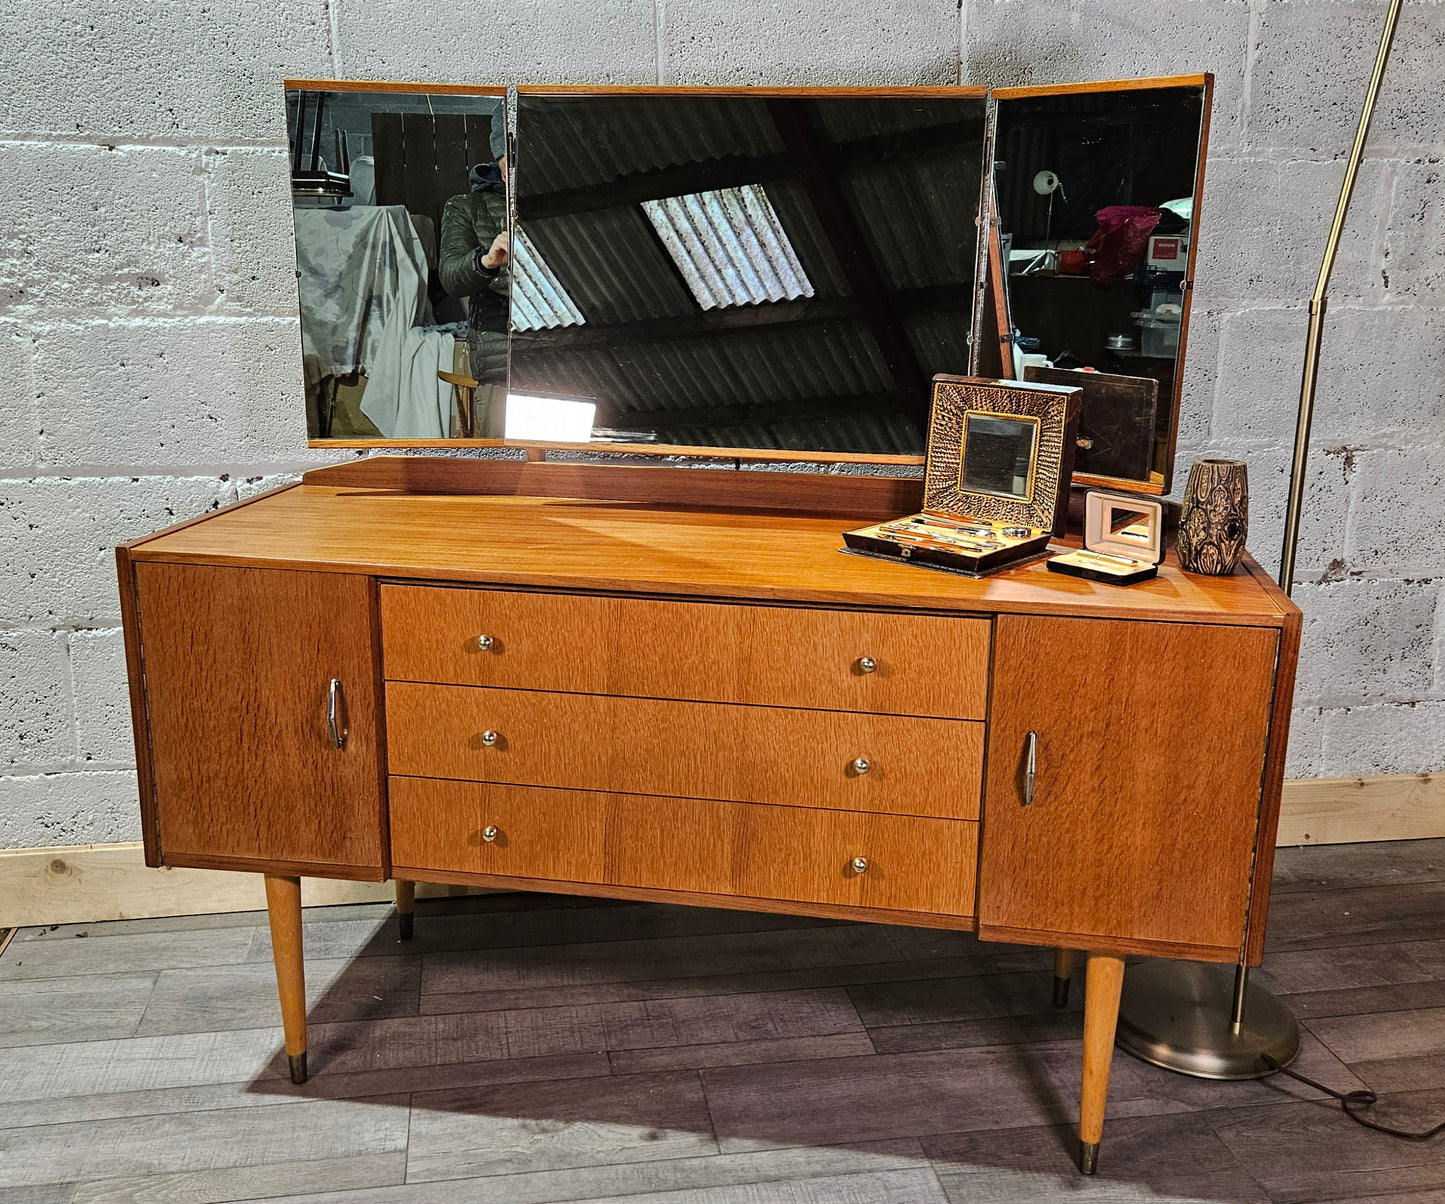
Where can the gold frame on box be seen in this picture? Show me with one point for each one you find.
(972, 531)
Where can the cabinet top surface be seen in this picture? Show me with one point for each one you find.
(634, 547)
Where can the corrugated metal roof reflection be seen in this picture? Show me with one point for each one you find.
(611, 265)
(730, 247)
(539, 302)
(574, 142)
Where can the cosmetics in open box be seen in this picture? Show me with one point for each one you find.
(996, 484)
(1123, 540)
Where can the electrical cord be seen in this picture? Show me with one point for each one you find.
(1353, 1103)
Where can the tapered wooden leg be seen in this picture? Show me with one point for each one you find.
(283, 901)
(1103, 981)
(1063, 972)
(405, 909)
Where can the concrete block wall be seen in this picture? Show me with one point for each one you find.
(149, 353)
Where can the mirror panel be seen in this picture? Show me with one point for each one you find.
(753, 270)
(998, 455)
(1095, 193)
(400, 214)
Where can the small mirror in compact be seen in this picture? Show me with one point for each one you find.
(1123, 540)
(402, 248)
(1096, 189)
(998, 455)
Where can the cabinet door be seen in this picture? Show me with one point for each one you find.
(238, 669)
(1150, 750)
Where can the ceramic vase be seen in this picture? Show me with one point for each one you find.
(1214, 519)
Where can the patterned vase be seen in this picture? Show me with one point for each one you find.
(1214, 519)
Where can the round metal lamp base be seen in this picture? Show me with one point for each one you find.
(1176, 1015)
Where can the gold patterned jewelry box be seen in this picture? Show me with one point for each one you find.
(996, 482)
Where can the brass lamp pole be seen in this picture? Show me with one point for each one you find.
(1189, 1016)
(1318, 303)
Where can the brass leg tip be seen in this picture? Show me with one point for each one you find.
(406, 925)
(1061, 992)
(298, 1066)
(1088, 1156)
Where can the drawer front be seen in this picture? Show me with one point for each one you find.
(539, 833)
(910, 766)
(695, 845)
(709, 652)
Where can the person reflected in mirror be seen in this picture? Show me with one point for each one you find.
(476, 249)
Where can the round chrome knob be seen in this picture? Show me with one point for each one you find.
(862, 765)
(866, 664)
(489, 738)
(490, 833)
(860, 865)
(485, 642)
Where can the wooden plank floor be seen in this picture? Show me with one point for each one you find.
(529, 1049)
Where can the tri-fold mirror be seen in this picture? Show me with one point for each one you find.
(762, 273)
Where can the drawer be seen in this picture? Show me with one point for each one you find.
(709, 652)
(698, 846)
(540, 833)
(687, 749)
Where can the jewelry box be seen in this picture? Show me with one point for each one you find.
(1123, 540)
(996, 481)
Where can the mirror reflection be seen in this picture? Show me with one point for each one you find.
(1095, 196)
(998, 455)
(746, 271)
(402, 253)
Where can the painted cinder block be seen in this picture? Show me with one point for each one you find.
(188, 73)
(92, 230)
(1388, 738)
(34, 699)
(496, 42)
(1311, 65)
(1394, 530)
(191, 391)
(18, 421)
(78, 807)
(1382, 377)
(58, 535)
(1368, 641)
(1413, 268)
(248, 205)
(1264, 220)
(102, 697)
(763, 42)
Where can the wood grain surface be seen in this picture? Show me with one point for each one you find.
(800, 492)
(237, 667)
(687, 749)
(1151, 741)
(764, 655)
(622, 547)
(692, 845)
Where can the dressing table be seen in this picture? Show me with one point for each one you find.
(668, 684)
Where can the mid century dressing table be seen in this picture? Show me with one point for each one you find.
(663, 683)
(667, 684)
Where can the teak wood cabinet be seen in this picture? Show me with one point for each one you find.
(661, 684)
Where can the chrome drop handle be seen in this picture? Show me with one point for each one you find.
(335, 722)
(1031, 767)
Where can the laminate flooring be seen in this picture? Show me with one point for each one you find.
(530, 1049)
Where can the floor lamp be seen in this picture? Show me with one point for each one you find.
(1193, 1017)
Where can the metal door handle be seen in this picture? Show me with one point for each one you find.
(1031, 766)
(335, 723)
